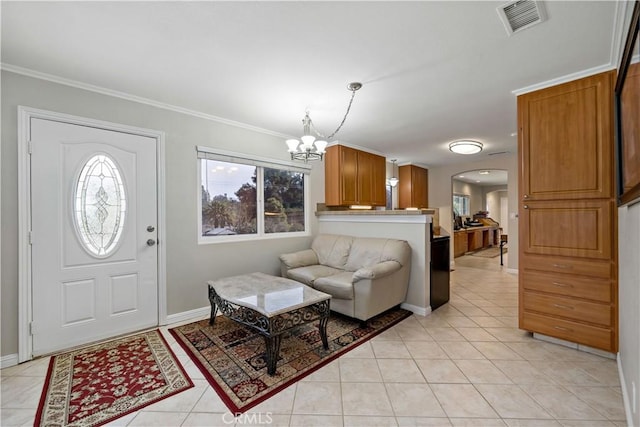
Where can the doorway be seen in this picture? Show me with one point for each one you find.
(93, 265)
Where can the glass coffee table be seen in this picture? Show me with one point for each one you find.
(271, 306)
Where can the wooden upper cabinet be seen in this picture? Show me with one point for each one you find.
(413, 187)
(354, 177)
(566, 140)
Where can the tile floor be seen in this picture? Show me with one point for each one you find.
(466, 364)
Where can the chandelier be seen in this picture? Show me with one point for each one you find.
(311, 148)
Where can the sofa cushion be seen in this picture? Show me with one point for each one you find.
(339, 285)
(309, 274)
(332, 250)
(367, 251)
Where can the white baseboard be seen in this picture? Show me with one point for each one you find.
(8, 360)
(187, 316)
(421, 311)
(625, 395)
(512, 271)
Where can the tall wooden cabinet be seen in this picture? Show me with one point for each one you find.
(568, 255)
(354, 177)
(413, 187)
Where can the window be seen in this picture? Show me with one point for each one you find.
(461, 205)
(246, 198)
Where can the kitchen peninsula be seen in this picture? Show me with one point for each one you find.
(414, 226)
(474, 238)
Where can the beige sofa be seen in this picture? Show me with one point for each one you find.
(364, 275)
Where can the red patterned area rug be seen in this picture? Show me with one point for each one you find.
(232, 356)
(94, 385)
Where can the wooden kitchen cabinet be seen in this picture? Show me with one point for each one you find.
(413, 187)
(567, 232)
(354, 177)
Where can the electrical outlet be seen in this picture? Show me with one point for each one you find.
(634, 397)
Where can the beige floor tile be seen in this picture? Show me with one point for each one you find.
(123, 421)
(423, 422)
(426, 350)
(482, 372)
(160, 419)
(433, 321)
(604, 371)
(21, 392)
(508, 321)
(368, 399)
(462, 401)
(413, 400)
(360, 370)
(605, 400)
(510, 334)
(477, 422)
(389, 335)
(487, 321)
(328, 373)
(511, 402)
(363, 351)
(359, 421)
(461, 350)
(390, 350)
(199, 419)
(415, 334)
(523, 372)
(475, 311)
(445, 334)
(566, 373)
(316, 421)
(315, 398)
(532, 423)
(583, 423)
(496, 351)
(461, 322)
(561, 403)
(184, 401)
(441, 371)
(280, 403)
(17, 417)
(210, 402)
(400, 371)
(531, 350)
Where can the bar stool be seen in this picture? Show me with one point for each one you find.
(503, 241)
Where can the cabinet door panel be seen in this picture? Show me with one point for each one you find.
(348, 176)
(573, 229)
(566, 140)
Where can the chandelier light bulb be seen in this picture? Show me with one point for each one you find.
(293, 145)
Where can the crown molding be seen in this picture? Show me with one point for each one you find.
(134, 98)
(564, 79)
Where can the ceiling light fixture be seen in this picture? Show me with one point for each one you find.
(484, 172)
(465, 147)
(393, 181)
(310, 148)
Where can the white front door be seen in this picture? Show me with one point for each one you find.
(93, 242)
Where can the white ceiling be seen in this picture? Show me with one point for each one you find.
(433, 72)
(484, 177)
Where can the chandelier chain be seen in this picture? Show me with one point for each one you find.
(353, 93)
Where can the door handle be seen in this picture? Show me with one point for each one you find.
(151, 242)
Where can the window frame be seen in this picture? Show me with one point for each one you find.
(468, 198)
(204, 153)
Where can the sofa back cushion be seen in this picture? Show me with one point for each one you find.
(367, 251)
(332, 250)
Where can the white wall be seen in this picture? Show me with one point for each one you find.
(493, 206)
(440, 194)
(189, 265)
(629, 302)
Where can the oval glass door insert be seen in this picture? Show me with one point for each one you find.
(100, 205)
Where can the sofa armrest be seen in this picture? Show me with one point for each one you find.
(299, 259)
(377, 271)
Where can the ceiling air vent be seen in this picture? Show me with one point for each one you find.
(521, 14)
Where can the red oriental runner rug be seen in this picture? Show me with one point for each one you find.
(232, 356)
(94, 385)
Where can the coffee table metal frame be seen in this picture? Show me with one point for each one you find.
(272, 327)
